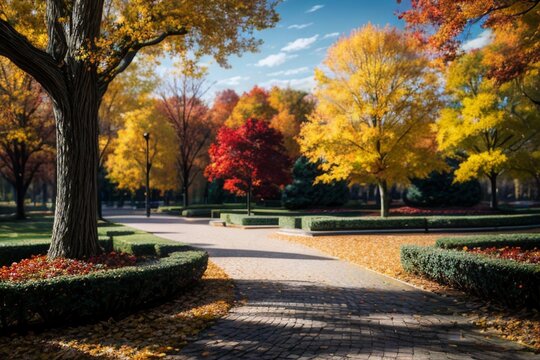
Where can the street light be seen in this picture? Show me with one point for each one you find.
(148, 165)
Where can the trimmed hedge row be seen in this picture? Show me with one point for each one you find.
(510, 282)
(245, 220)
(197, 213)
(417, 222)
(290, 222)
(71, 299)
(525, 241)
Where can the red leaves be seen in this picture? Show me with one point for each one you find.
(40, 267)
(508, 252)
(253, 153)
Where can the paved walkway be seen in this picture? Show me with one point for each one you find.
(303, 304)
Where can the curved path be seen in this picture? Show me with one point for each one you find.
(303, 304)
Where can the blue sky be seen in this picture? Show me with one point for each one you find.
(298, 43)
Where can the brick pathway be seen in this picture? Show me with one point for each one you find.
(303, 304)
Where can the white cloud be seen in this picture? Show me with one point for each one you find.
(232, 81)
(321, 49)
(315, 8)
(300, 44)
(290, 71)
(306, 83)
(274, 59)
(330, 35)
(482, 40)
(299, 26)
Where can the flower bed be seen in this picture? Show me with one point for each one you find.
(511, 253)
(409, 210)
(40, 267)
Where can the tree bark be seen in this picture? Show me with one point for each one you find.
(20, 193)
(384, 199)
(249, 199)
(75, 222)
(493, 182)
(185, 191)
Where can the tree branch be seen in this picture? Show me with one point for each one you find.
(31, 60)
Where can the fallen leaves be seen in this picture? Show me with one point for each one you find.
(382, 254)
(148, 334)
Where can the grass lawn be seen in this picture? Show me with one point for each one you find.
(381, 253)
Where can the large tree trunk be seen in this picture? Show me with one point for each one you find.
(384, 199)
(20, 193)
(493, 182)
(185, 191)
(75, 221)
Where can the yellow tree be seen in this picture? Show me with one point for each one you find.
(74, 49)
(126, 164)
(252, 105)
(292, 107)
(377, 102)
(486, 123)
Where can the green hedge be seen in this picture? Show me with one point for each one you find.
(244, 220)
(290, 222)
(513, 283)
(72, 299)
(197, 212)
(328, 223)
(525, 241)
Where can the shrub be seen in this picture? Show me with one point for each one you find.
(302, 193)
(525, 241)
(290, 222)
(244, 220)
(364, 223)
(482, 221)
(71, 299)
(197, 212)
(439, 189)
(507, 281)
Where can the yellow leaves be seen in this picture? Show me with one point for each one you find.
(481, 164)
(376, 108)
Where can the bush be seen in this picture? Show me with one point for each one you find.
(364, 223)
(302, 193)
(440, 190)
(507, 281)
(244, 220)
(290, 222)
(416, 222)
(524, 241)
(71, 299)
(197, 212)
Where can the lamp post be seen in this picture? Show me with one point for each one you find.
(148, 165)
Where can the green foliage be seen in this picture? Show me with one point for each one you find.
(72, 299)
(290, 222)
(197, 212)
(439, 189)
(245, 220)
(314, 223)
(302, 193)
(513, 283)
(525, 241)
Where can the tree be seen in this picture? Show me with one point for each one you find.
(439, 190)
(90, 42)
(223, 106)
(514, 23)
(292, 109)
(253, 104)
(488, 122)
(190, 119)
(304, 193)
(26, 130)
(127, 163)
(376, 106)
(251, 159)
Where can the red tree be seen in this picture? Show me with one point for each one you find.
(251, 159)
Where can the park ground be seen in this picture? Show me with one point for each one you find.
(296, 298)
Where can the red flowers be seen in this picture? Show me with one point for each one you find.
(511, 253)
(39, 267)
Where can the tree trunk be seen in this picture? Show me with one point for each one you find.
(20, 193)
(185, 191)
(493, 181)
(75, 222)
(44, 194)
(99, 186)
(384, 199)
(249, 199)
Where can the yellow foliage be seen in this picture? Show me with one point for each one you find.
(377, 102)
(127, 164)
